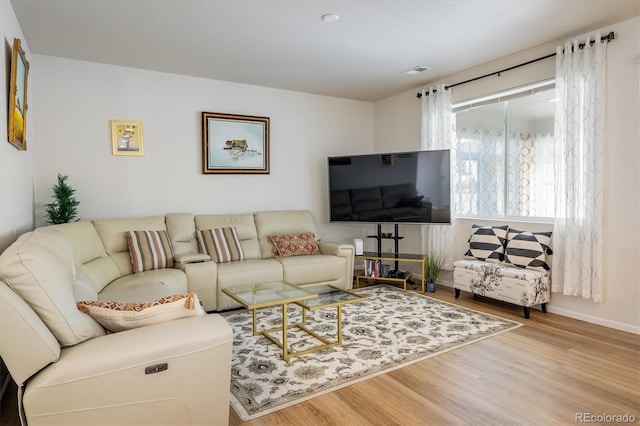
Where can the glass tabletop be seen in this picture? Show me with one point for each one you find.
(268, 294)
(328, 296)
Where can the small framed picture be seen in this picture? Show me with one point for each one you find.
(126, 137)
(385, 160)
(18, 97)
(234, 143)
(384, 271)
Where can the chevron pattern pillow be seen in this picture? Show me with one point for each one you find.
(528, 249)
(222, 244)
(149, 250)
(487, 243)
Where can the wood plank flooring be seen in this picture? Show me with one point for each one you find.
(545, 373)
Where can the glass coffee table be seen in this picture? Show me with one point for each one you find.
(312, 298)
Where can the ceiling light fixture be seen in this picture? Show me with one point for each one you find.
(330, 17)
(416, 70)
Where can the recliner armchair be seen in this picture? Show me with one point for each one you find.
(175, 372)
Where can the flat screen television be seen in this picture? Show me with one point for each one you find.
(399, 187)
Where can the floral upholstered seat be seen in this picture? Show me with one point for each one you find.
(507, 265)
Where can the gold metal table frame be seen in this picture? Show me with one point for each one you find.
(309, 299)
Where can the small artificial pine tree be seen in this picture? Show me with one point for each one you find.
(64, 208)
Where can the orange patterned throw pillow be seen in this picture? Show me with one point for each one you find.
(295, 244)
(119, 316)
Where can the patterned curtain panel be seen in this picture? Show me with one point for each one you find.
(479, 188)
(437, 133)
(530, 175)
(579, 137)
(479, 178)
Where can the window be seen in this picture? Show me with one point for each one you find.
(504, 150)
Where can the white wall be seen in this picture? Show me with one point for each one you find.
(16, 167)
(397, 125)
(76, 101)
(71, 103)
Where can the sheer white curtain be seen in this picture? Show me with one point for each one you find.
(530, 175)
(437, 133)
(479, 183)
(578, 165)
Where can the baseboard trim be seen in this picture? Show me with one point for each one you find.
(629, 328)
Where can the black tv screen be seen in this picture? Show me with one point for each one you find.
(399, 187)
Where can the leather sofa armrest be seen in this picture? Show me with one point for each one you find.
(19, 323)
(202, 279)
(336, 249)
(191, 258)
(171, 372)
(345, 250)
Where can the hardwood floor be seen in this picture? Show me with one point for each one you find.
(545, 373)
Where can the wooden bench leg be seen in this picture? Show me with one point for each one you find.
(527, 312)
(457, 292)
(544, 308)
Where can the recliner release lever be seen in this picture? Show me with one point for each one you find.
(156, 368)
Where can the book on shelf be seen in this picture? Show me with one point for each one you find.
(372, 268)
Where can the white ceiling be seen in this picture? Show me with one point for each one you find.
(285, 44)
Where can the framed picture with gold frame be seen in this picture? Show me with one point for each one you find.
(18, 97)
(233, 143)
(126, 137)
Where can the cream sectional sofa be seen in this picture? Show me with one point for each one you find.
(70, 370)
(260, 265)
(102, 254)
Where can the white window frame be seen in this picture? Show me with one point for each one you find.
(498, 97)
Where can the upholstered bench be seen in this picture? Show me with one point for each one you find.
(524, 287)
(507, 265)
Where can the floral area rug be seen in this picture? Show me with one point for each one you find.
(389, 330)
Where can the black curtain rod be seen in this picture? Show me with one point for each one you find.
(607, 38)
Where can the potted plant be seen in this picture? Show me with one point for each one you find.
(64, 207)
(431, 266)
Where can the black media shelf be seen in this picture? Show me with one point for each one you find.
(395, 237)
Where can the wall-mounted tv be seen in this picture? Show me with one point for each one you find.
(399, 187)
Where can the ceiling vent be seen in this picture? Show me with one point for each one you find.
(417, 70)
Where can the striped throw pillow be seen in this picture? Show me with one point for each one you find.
(222, 244)
(528, 249)
(487, 243)
(149, 250)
